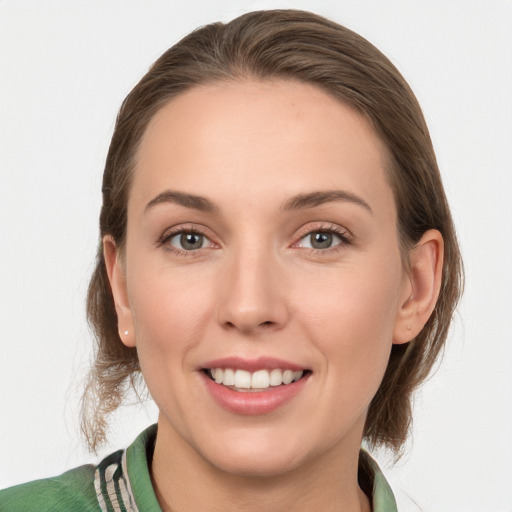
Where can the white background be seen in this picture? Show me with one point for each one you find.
(65, 67)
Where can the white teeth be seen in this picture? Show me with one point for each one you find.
(219, 374)
(276, 377)
(287, 376)
(229, 377)
(242, 379)
(260, 379)
(297, 375)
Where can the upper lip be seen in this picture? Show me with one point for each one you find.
(252, 365)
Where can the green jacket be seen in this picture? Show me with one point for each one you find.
(121, 483)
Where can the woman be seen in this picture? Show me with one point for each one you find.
(278, 260)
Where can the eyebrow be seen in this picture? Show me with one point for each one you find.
(309, 200)
(183, 199)
(313, 199)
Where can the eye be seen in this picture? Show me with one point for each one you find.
(320, 240)
(323, 239)
(189, 241)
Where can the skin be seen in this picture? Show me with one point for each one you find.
(256, 288)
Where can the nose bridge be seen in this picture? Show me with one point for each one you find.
(253, 296)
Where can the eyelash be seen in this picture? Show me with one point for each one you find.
(344, 236)
(181, 230)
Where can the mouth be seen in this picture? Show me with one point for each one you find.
(241, 380)
(254, 386)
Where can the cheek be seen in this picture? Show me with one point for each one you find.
(351, 316)
(170, 312)
(169, 309)
(352, 304)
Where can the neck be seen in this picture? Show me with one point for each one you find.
(184, 480)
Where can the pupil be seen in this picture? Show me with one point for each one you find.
(190, 241)
(321, 240)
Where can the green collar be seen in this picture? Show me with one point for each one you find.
(131, 489)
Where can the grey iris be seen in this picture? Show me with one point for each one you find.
(191, 241)
(321, 240)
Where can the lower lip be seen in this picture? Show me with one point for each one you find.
(252, 403)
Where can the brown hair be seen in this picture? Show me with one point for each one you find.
(300, 46)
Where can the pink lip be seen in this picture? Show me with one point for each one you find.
(252, 365)
(252, 403)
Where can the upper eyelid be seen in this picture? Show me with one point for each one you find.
(183, 228)
(326, 226)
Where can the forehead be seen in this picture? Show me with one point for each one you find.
(273, 137)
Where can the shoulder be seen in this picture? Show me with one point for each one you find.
(374, 484)
(73, 490)
(121, 481)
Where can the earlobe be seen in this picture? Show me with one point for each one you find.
(117, 278)
(423, 287)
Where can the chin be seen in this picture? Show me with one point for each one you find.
(256, 466)
(262, 458)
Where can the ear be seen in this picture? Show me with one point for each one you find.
(422, 287)
(117, 277)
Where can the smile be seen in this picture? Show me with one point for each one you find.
(243, 380)
(254, 386)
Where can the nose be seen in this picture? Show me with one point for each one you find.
(252, 296)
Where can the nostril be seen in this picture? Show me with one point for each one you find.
(242, 327)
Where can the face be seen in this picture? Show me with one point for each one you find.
(261, 248)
